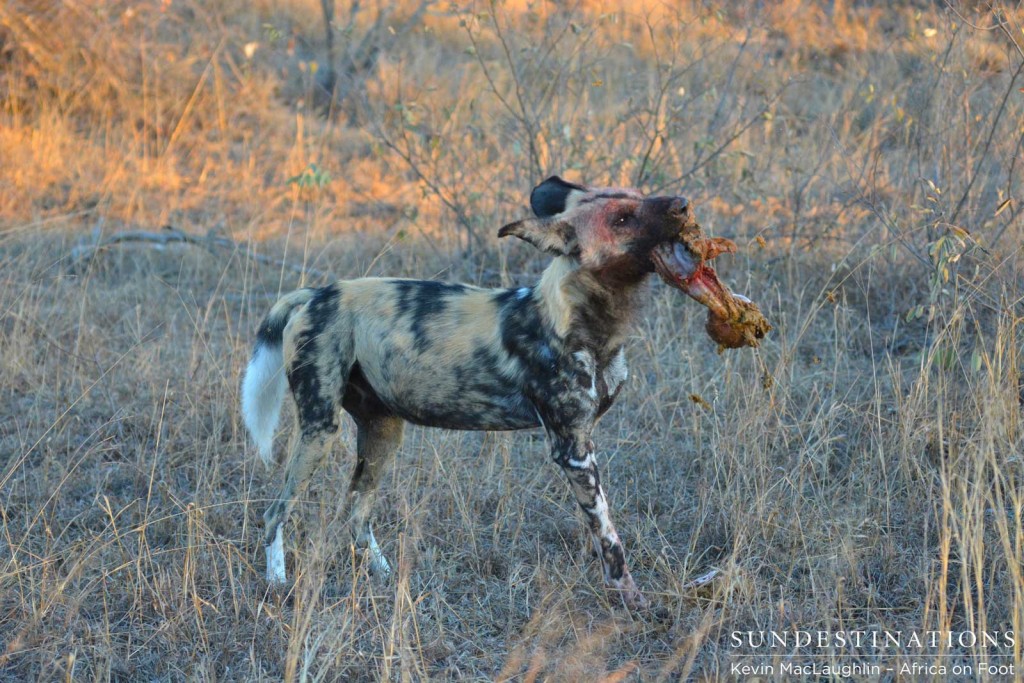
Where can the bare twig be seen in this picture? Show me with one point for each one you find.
(659, 104)
(330, 78)
(988, 143)
(528, 121)
(360, 58)
(879, 212)
(725, 145)
(456, 208)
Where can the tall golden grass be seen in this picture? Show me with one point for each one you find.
(861, 471)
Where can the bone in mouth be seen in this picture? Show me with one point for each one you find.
(734, 320)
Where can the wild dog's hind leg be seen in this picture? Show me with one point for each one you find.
(377, 441)
(310, 450)
(317, 363)
(574, 453)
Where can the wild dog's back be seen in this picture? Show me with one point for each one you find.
(433, 352)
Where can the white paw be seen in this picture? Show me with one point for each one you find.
(275, 561)
(379, 565)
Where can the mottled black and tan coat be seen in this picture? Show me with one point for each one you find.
(391, 351)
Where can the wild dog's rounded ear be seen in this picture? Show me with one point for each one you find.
(551, 197)
(550, 235)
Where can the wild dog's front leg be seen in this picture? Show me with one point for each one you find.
(574, 453)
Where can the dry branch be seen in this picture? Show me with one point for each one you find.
(84, 253)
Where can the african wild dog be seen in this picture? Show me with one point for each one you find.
(391, 351)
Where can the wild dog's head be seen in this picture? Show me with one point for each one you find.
(617, 233)
(620, 236)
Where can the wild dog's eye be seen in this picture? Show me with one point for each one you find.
(621, 219)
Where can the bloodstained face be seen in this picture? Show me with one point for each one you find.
(621, 236)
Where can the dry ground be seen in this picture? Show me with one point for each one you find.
(861, 471)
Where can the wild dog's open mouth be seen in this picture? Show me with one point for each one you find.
(733, 319)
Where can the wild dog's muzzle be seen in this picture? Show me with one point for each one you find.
(684, 263)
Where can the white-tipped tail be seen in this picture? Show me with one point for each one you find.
(262, 395)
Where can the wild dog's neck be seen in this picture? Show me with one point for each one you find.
(583, 310)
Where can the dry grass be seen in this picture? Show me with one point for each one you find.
(863, 470)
